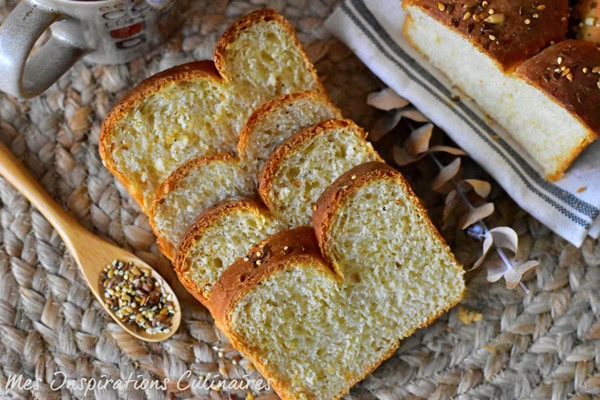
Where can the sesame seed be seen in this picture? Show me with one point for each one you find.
(559, 60)
(527, 21)
(536, 16)
(598, 84)
(492, 37)
(441, 6)
(467, 15)
(596, 70)
(491, 11)
(585, 70)
(570, 77)
(541, 7)
(484, 3)
(495, 19)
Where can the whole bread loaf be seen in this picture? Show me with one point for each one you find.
(510, 57)
(258, 58)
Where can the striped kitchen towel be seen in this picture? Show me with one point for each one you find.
(570, 207)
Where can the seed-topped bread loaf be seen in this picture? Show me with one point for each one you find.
(196, 185)
(314, 330)
(298, 171)
(480, 44)
(217, 237)
(199, 108)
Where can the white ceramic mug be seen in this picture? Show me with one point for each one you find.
(100, 31)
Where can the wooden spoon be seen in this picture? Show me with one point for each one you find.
(91, 253)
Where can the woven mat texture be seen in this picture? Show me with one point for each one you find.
(541, 345)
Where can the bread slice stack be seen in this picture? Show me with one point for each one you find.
(512, 58)
(315, 308)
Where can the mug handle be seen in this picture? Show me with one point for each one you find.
(24, 76)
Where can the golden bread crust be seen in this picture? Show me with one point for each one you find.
(508, 31)
(565, 73)
(193, 71)
(203, 222)
(172, 182)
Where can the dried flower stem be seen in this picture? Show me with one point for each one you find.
(482, 226)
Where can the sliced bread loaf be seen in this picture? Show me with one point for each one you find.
(197, 108)
(196, 185)
(297, 172)
(217, 237)
(479, 46)
(315, 331)
(276, 120)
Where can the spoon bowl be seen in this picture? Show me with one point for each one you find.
(90, 253)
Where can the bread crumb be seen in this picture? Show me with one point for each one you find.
(467, 317)
(582, 189)
(489, 348)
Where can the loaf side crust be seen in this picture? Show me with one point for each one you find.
(197, 70)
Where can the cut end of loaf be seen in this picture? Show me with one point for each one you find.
(218, 236)
(552, 134)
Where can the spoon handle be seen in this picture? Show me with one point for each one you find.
(15, 173)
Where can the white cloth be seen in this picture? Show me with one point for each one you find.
(569, 207)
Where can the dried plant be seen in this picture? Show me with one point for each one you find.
(458, 192)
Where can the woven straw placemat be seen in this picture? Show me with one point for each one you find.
(57, 342)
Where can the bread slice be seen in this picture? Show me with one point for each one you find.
(217, 237)
(479, 48)
(276, 120)
(314, 331)
(199, 108)
(298, 171)
(190, 189)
